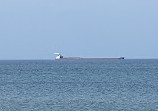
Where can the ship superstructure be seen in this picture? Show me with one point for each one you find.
(59, 56)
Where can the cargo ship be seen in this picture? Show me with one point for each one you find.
(60, 57)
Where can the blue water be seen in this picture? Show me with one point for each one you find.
(119, 85)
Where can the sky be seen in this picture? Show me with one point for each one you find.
(35, 29)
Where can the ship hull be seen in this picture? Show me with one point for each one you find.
(91, 58)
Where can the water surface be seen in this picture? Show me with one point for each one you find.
(109, 85)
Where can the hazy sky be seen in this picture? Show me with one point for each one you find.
(35, 29)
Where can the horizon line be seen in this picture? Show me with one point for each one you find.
(54, 59)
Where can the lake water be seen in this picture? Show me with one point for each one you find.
(49, 85)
